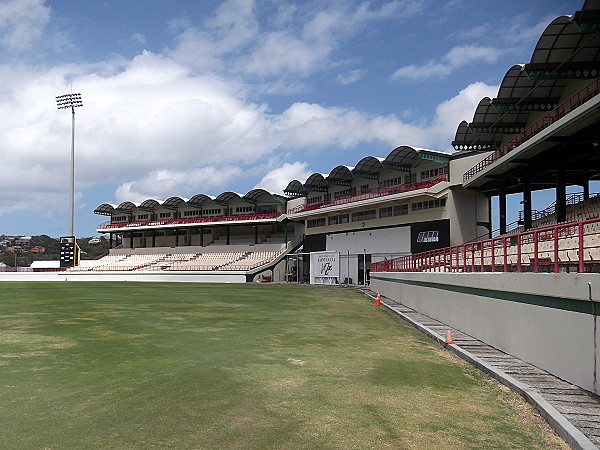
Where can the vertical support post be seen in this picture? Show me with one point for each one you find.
(502, 210)
(580, 245)
(527, 204)
(561, 195)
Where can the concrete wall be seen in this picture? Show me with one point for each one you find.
(548, 320)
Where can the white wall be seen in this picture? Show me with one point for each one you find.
(500, 309)
(386, 241)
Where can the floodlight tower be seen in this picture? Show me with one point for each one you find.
(64, 102)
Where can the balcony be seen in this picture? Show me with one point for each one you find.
(372, 193)
(189, 220)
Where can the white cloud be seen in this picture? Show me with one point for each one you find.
(450, 113)
(351, 76)
(456, 58)
(157, 126)
(276, 180)
(161, 184)
(139, 38)
(22, 22)
(299, 41)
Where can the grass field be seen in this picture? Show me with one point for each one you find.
(176, 365)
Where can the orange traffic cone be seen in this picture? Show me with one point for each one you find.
(449, 337)
(378, 299)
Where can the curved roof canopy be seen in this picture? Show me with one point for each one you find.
(173, 202)
(256, 195)
(519, 93)
(466, 140)
(368, 167)
(150, 204)
(126, 207)
(341, 175)
(488, 120)
(401, 157)
(565, 50)
(105, 209)
(295, 188)
(227, 197)
(316, 182)
(200, 199)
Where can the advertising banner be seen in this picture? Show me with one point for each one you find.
(324, 267)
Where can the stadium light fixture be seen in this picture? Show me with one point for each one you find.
(65, 102)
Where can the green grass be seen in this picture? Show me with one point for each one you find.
(139, 365)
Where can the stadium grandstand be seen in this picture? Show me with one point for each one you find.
(417, 223)
(412, 209)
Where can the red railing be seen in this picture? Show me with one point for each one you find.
(576, 100)
(189, 220)
(373, 193)
(569, 246)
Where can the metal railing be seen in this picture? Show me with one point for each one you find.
(571, 246)
(573, 102)
(188, 220)
(372, 193)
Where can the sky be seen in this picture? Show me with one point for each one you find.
(185, 97)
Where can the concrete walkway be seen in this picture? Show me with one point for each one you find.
(573, 412)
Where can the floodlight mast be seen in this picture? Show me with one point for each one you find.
(64, 102)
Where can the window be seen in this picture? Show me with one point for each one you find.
(364, 189)
(116, 219)
(143, 216)
(428, 236)
(433, 172)
(265, 209)
(312, 200)
(320, 222)
(344, 218)
(164, 215)
(363, 215)
(195, 212)
(212, 212)
(244, 209)
(390, 183)
(400, 210)
(386, 212)
(437, 203)
(332, 220)
(344, 193)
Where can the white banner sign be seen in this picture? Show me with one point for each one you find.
(324, 267)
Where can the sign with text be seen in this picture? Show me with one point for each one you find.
(324, 267)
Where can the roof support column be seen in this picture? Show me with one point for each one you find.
(255, 234)
(228, 233)
(527, 204)
(586, 189)
(110, 240)
(561, 195)
(201, 237)
(131, 240)
(153, 238)
(502, 208)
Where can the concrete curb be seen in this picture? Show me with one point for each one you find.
(565, 429)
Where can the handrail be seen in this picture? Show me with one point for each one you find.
(573, 102)
(565, 246)
(372, 193)
(189, 220)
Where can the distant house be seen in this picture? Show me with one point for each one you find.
(38, 249)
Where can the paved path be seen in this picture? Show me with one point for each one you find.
(573, 412)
